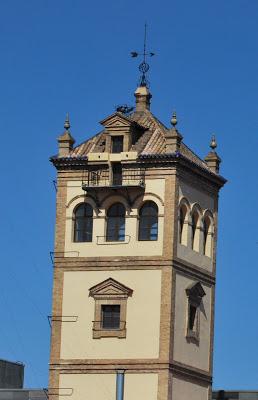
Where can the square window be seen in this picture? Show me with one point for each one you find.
(117, 144)
(110, 316)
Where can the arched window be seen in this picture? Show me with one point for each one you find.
(195, 231)
(83, 222)
(207, 236)
(116, 223)
(148, 221)
(183, 225)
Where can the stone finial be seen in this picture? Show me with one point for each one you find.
(212, 159)
(173, 137)
(143, 96)
(213, 143)
(174, 119)
(67, 125)
(66, 140)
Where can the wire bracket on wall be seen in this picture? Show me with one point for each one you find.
(61, 318)
(52, 391)
(55, 184)
(53, 254)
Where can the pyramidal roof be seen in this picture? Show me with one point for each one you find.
(151, 138)
(152, 142)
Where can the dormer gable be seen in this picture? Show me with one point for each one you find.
(120, 126)
(110, 288)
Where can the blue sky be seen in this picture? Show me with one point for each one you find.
(59, 56)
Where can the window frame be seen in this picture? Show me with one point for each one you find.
(119, 144)
(195, 294)
(85, 218)
(117, 228)
(140, 222)
(108, 293)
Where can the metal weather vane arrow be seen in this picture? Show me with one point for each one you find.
(144, 66)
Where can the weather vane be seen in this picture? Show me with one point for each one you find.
(144, 66)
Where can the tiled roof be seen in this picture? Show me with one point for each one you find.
(151, 142)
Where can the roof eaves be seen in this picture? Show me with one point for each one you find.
(177, 155)
(68, 161)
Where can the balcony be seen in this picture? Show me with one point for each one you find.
(114, 178)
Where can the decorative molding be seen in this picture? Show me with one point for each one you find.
(109, 292)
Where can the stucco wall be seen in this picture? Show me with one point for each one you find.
(195, 195)
(187, 352)
(103, 386)
(143, 316)
(185, 390)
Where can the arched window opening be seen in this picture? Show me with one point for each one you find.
(183, 226)
(116, 223)
(195, 231)
(207, 236)
(148, 221)
(83, 223)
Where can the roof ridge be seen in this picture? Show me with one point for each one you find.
(196, 155)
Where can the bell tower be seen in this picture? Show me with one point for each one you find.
(134, 262)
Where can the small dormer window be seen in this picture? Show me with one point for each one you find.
(117, 144)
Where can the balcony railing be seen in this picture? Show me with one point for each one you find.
(98, 326)
(106, 178)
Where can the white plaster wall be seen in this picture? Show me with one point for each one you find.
(183, 390)
(103, 386)
(195, 195)
(98, 247)
(143, 316)
(193, 257)
(187, 352)
(141, 386)
(88, 386)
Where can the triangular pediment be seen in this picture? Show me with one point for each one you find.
(110, 287)
(195, 290)
(117, 120)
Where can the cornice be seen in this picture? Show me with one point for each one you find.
(153, 365)
(194, 271)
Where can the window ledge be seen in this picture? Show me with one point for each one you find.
(109, 333)
(102, 240)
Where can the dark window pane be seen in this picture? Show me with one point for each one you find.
(206, 225)
(195, 218)
(182, 221)
(117, 173)
(116, 223)
(192, 316)
(83, 223)
(110, 316)
(148, 222)
(117, 144)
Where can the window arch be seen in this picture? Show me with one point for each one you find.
(207, 235)
(195, 231)
(183, 224)
(83, 223)
(116, 223)
(148, 221)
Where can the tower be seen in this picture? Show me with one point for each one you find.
(134, 262)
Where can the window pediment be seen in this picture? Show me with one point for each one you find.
(110, 288)
(117, 120)
(195, 292)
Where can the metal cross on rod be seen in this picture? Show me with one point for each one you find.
(144, 66)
